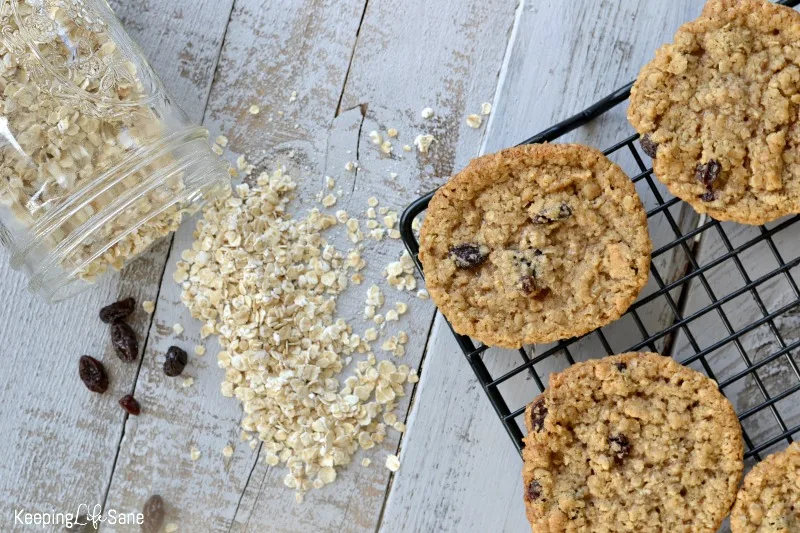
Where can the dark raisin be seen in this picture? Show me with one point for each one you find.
(541, 294)
(129, 403)
(551, 214)
(175, 362)
(621, 366)
(538, 414)
(93, 374)
(528, 284)
(534, 491)
(708, 173)
(153, 514)
(708, 196)
(124, 340)
(620, 445)
(648, 146)
(117, 311)
(469, 255)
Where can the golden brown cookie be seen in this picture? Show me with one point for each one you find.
(634, 442)
(718, 111)
(534, 244)
(769, 500)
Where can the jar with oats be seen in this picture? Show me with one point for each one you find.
(96, 162)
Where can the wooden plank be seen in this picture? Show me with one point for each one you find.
(452, 52)
(460, 472)
(270, 50)
(68, 437)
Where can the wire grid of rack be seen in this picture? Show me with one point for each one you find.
(697, 274)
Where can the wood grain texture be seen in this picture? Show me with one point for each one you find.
(460, 472)
(404, 60)
(270, 50)
(58, 441)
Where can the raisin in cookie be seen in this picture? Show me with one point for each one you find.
(635, 442)
(769, 500)
(534, 244)
(718, 111)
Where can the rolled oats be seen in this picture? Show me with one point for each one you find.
(73, 112)
(266, 284)
(486, 108)
(393, 463)
(427, 113)
(474, 121)
(423, 142)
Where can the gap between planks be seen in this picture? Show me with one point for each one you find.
(162, 276)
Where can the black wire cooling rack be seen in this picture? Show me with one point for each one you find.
(768, 406)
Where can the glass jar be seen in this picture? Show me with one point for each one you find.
(96, 162)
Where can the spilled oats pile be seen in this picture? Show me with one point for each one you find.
(266, 284)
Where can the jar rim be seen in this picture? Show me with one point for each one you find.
(111, 177)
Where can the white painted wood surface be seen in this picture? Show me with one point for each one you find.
(356, 66)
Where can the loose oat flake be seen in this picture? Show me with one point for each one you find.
(267, 285)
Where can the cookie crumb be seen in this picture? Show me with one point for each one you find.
(366, 462)
(177, 329)
(486, 108)
(227, 451)
(149, 306)
(254, 109)
(474, 121)
(391, 132)
(200, 350)
(427, 113)
(194, 453)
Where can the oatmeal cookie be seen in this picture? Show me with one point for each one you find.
(718, 111)
(769, 500)
(534, 244)
(634, 442)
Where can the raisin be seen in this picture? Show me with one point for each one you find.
(548, 215)
(153, 514)
(175, 362)
(621, 366)
(538, 414)
(620, 445)
(469, 255)
(93, 374)
(708, 196)
(648, 146)
(534, 491)
(708, 173)
(528, 284)
(124, 340)
(117, 311)
(129, 403)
